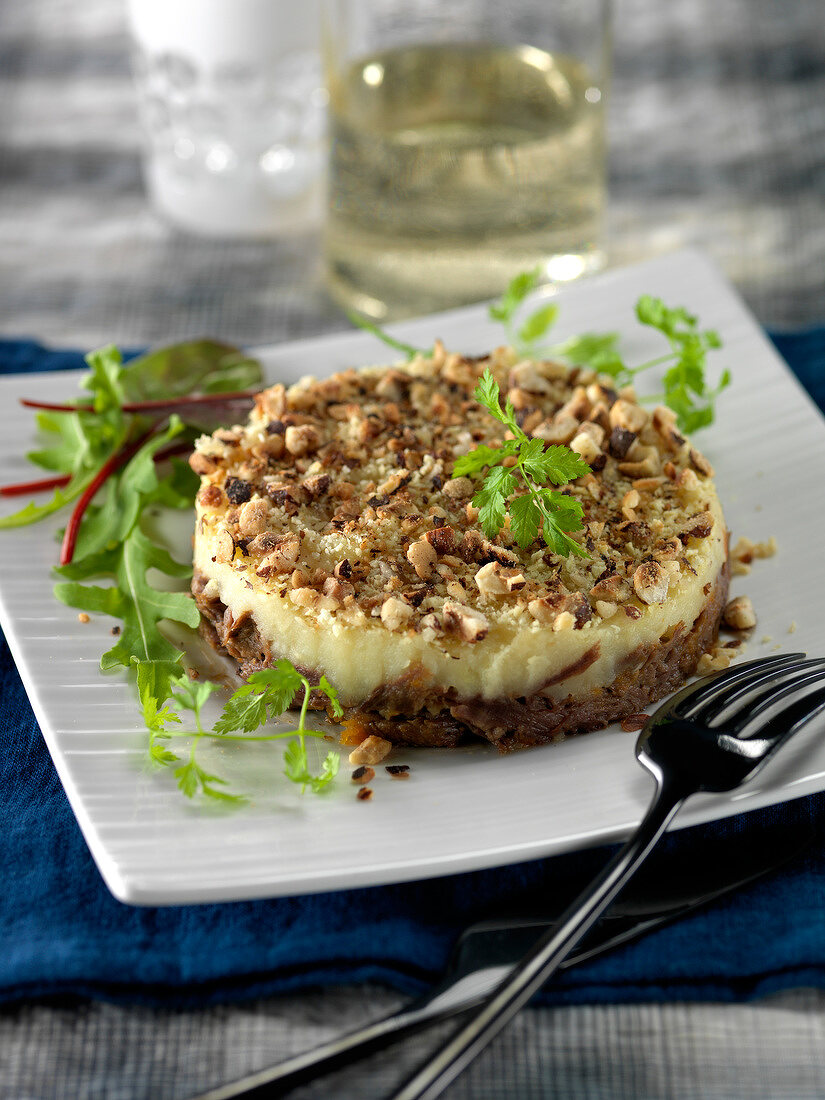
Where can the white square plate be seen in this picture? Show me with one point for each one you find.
(461, 809)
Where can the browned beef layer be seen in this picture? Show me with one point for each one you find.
(407, 712)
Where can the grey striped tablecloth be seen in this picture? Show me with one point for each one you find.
(717, 128)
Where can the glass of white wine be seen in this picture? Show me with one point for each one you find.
(466, 145)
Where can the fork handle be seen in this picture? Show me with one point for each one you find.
(279, 1079)
(548, 954)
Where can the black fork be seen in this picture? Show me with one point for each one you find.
(697, 741)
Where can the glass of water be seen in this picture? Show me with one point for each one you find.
(467, 144)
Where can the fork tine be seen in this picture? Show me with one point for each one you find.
(766, 700)
(694, 695)
(746, 689)
(787, 722)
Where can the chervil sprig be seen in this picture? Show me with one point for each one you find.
(409, 350)
(529, 466)
(686, 388)
(266, 694)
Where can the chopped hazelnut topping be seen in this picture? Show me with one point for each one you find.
(202, 464)
(210, 496)
(398, 771)
(363, 775)
(526, 377)
(584, 444)
(304, 597)
(697, 527)
(337, 497)
(395, 613)
(422, 558)
(701, 463)
(252, 519)
(739, 614)
(283, 556)
(458, 488)
(470, 624)
(713, 662)
(560, 429)
(489, 580)
(650, 583)
(630, 501)
(372, 750)
(624, 414)
(224, 546)
(302, 439)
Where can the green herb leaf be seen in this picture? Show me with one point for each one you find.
(398, 345)
(535, 465)
(684, 381)
(525, 519)
(295, 763)
(266, 694)
(332, 694)
(491, 499)
(537, 324)
(154, 680)
(505, 308)
(329, 770)
(587, 350)
(104, 379)
(192, 694)
(473, 463)
(192, 779)
(133, 599)
(197, 366)
(556, 464)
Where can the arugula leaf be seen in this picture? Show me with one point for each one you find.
(126, 496)
(132, 599)
(32, 512)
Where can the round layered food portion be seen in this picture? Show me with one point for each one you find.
(332, 532)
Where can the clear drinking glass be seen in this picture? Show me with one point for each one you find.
(466, 145)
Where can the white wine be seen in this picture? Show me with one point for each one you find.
(455, 167)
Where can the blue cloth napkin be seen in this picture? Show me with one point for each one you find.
(63, 933)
